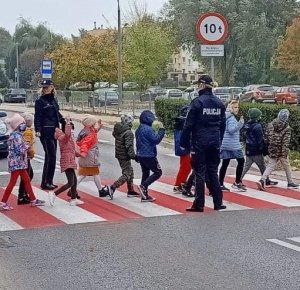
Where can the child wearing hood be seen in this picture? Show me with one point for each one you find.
(278, 135)
(255, 144)
(146, 140)
(17, 162)
(124, 152)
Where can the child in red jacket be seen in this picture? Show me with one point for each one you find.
(67, 162)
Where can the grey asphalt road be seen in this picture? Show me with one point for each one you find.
(218, 250)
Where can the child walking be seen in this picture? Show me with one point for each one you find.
(124, 152)
(255, 145)
(17, 162)
(89, 164)
(146, 140)
(185, 167)
(278, 137)
(28, 135)
(231, 147)
(67, 162)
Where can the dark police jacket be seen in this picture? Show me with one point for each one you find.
(205, 122)
(47, 115)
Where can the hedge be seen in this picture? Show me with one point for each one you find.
(166, 110)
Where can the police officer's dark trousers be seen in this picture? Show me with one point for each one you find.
(50, 146)
(206, 160)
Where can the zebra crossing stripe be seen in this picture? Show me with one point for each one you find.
(285, 244)
(7, 224)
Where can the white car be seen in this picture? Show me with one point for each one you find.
(4, 135)
(171, 94)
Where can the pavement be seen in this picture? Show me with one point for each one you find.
(109, 120)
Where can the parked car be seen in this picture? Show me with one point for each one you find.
(152, 93)
(1, 99)
(15, 95)
(4, 135)
(190, 93)
(130, 85)
(258, 93)
(288, 95)
(226, 94)
(171, 94)
(100, 97)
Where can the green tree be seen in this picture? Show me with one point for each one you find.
(5, 42)
(4, 82)
(89, 59)
(148, 47)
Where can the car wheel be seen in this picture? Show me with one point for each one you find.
(253, 101)
(3, 155)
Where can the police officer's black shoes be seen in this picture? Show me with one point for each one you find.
(48, 186)
(195, 209)
(220, 207)
(23, 200)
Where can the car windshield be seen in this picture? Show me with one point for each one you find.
(222, 91)
(111, 94)
(236, 90)
(174, 94)
(17, 91)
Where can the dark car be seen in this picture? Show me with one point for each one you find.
(258, 93)
(288, 95)
(15, 95)
(3, 136)
(151, 93)
(102, 97)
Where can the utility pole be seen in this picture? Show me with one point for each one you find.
(120, 85)
(17, 71)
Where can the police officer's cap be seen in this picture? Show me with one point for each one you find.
(47, 83)
(205, 79)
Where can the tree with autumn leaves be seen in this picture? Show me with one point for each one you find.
(88, 59)
(289, 49)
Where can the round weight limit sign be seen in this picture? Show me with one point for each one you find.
(212, 28)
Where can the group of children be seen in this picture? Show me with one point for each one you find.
(21, 150)
(274, 143)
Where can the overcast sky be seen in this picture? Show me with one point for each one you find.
(67, 16)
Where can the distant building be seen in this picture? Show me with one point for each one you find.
(183, 67)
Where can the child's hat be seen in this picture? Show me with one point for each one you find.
(127, 119)
(15, 121)
(254, 114)
(28, 118)
(89, 120)
(283, 115)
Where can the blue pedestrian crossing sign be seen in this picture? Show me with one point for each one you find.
(47, 68)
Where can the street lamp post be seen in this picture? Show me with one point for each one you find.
(17, 69)
(120, 85)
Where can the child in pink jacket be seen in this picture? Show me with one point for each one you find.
(67, 162)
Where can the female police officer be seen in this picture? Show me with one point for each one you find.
(46, 119)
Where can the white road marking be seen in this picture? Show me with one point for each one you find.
(7, 224)
(146, 209)
(62, 210)
(285, 244)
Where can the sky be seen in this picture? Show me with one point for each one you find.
(67, 16)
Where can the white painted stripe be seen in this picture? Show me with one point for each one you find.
(43, 158)
(284, 244)
(266, 196)
(62, 210)
(295, 239)
(7, 224)
(172, 155)
(57, 166)
(146, 209)
(4, 173)
(255, 178)
(168, 190)
(103, 141)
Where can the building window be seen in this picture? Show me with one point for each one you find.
(183, 59)
(175, 60)
(192, 78)
(189, 61)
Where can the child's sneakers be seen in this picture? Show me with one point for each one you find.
(177, 189)
(145, 197)
(133, 194)
(52, 197)
(5, 206)
(239, 186)
(261, 185)
(103, 191)
(75, 202)
(293, 185)
(111, 191)
(37, 202)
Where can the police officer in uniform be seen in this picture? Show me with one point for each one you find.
(46, 119)
(205, 124)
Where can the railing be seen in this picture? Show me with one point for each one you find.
(82, 101)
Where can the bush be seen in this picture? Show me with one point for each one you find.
(166, 110)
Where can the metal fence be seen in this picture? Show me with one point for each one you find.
(83, 101)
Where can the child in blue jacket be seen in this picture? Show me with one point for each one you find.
(146, 140)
